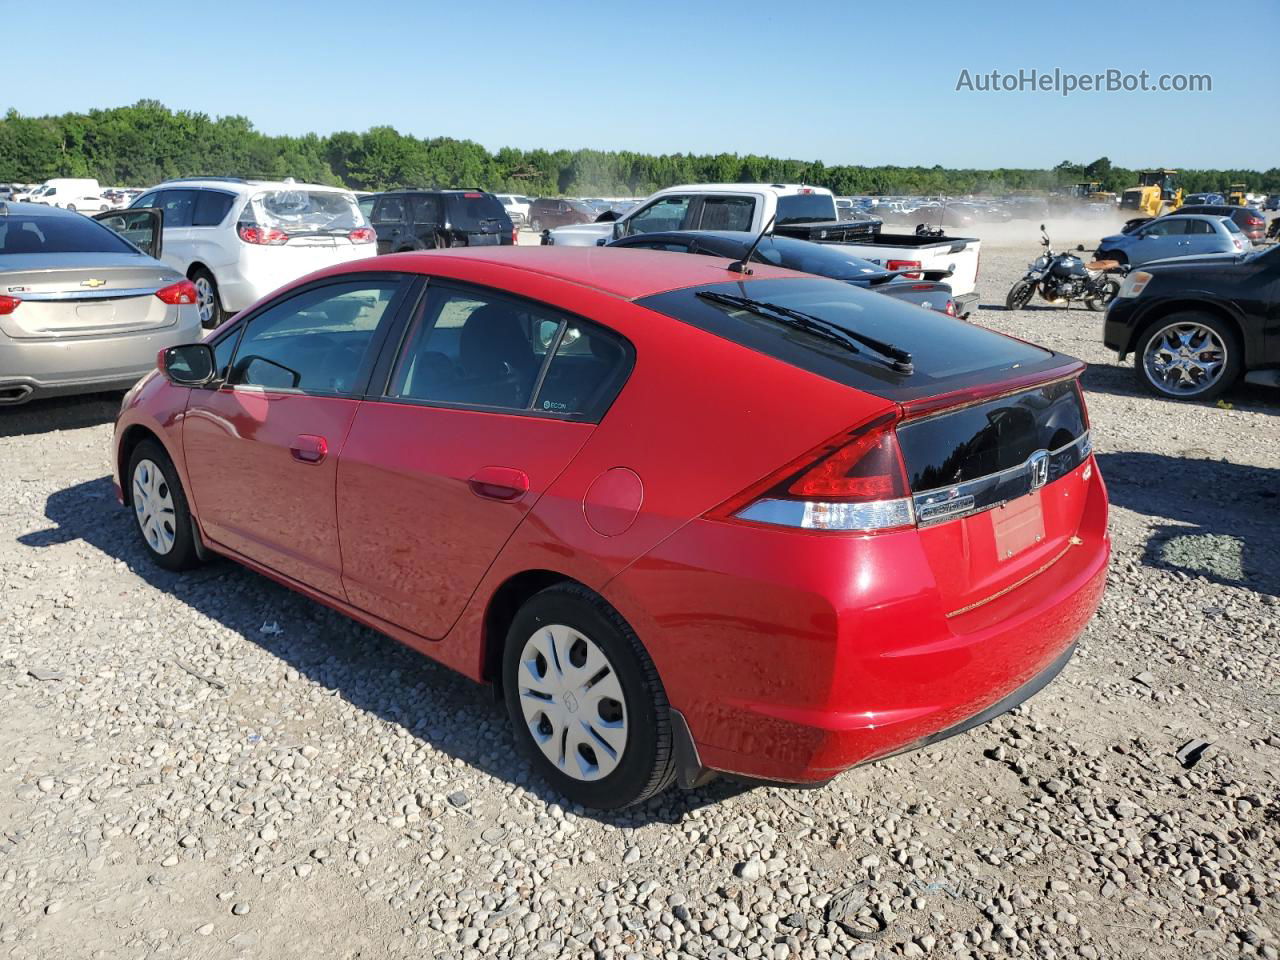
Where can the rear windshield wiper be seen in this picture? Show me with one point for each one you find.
(893, 357)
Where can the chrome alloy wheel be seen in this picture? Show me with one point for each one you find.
(1185, 359)
(572, 702)
(153, 506)
(204, 300)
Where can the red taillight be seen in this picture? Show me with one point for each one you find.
(184, 291)
(1256, 221)
(362, 235)
(905, 265)
(262, 236)
(515, 233)
(473, 196)
(853, 482)
(8, 305)
(951, 308)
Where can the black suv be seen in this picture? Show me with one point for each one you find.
(432, 219)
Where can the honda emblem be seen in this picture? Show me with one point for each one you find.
(1038, 467)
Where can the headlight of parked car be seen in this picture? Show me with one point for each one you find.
(1134, 284)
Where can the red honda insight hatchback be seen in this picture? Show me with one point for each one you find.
(691, 518)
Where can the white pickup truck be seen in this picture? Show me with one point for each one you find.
(808, 213)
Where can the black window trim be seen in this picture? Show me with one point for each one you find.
(389, 322)
(409, 319)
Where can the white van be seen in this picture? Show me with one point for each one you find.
(71, 193)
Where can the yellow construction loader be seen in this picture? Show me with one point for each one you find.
(1157, 192)
(1237, 195)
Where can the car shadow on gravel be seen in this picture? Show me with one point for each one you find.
(1224, 517)
(59, 413)
(369, 670)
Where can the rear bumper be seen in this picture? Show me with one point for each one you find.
(30, 369)
(263, 270)
(792, 658)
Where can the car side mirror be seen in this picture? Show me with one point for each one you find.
(188, 365)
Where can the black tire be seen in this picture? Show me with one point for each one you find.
(442, 242)
(216, 314)
(646, 764)
(535, 225)
(1231, 368)
(1108, 293)
(1019, 295)
(182, 555)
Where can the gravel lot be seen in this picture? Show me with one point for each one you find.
(210, 766)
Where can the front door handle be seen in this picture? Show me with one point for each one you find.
(308, 448)
(499, 483)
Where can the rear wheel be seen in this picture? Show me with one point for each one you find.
(1020, 295)
(1106, 293)
(160, 507)
(207, 302)
(1188, 356)
(442, 241)
(535, 225)
(586, 701)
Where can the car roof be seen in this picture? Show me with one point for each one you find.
(243, 185)
(629, 274)
(34, 210)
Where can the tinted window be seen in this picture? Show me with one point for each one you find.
(425, 209)
(727, 213)
(315, 341)
(665, 214)
(389, 210)
(146, 200)
(1165, 228)
(212, 207)
(479, 349)
(178, 207)
(366, 206)
(69, 234)
(806, 208)
(223, 351)
(468, 209)
(1232, 226)
(1199, 226)
(821, 259)
(944, 349)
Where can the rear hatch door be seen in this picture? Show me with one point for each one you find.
(480, 216)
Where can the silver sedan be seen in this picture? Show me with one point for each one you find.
(85, 306)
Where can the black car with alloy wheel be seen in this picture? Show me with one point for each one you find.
(1196, 325)
(412, 219)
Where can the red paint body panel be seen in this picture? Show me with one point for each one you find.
(792, 654)
(249, 490)
(416, 537)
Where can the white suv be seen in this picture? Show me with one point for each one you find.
(238, 240)
(517, 207)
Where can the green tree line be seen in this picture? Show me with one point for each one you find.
(145, 143)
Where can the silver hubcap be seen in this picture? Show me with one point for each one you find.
(153, 506)
(204, 299)
(572, 702)
(1185, 359)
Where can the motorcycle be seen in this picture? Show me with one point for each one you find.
(1063, 277)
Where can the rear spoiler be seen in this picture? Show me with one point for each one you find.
(1069, 369)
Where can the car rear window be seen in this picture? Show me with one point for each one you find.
(304, 211)
(806, 208)
(474, 207)
(69, 234)
(1231, 225)
(947, 354)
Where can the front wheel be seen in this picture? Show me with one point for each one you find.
(160, 508)
(1020, 295)
(1105, 294)
(585, 700)
(1188, 356)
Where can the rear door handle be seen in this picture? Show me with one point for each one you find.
(499, 483)
(308, 448)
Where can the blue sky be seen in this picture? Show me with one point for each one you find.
(842, 82)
